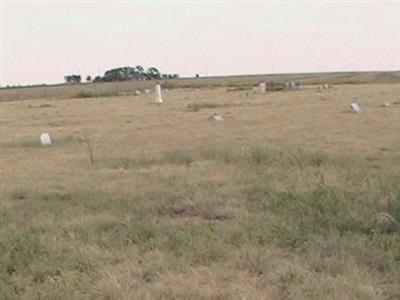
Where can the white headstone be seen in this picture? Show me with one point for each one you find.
(137, 92)
(147, 91)
(218, 118)
(356, 107)
(45, 139)
(158, 94)
(262, 87)
(294, 85)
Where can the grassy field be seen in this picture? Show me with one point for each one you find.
(107, 89)
(294, 196)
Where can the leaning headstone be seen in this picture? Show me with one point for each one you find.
(356, 107)
(45, 139)
(218, 118)
(262, 87)
(294, 86)
(147, 91)
(287, 86)
(137, 93)
(158, 94)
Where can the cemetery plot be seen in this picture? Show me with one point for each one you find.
(210, 195)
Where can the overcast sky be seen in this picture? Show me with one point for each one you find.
(44, 40)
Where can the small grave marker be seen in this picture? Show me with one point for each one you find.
(45, 139)
(262, 87)
(218, 117)
(356, 107)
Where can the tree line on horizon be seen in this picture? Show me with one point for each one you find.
(123, 74)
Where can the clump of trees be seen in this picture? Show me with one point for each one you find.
(133, 73)
(170, 76)
(123, 74)
(73, 78)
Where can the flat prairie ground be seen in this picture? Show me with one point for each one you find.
(293, 196)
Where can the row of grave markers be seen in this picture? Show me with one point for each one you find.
(45, 138)
(288, 86)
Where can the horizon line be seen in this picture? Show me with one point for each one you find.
(206, 77)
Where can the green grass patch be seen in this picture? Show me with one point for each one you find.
(178, 157)
(197, 106)
(93, 94)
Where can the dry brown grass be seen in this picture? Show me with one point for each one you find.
(278, 202)
(233, 83)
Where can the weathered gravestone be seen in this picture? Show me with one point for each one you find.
(158, 96)
(45, 139)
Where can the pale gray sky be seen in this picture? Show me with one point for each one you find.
(44, 40)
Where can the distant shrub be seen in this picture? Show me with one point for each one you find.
(140, 160)
(302, 158)
(195, 107)
(27, 144)
(238, 89)
(88, 94)
(198, 245)
(222, 155)
(259, 155)
(232, 87)
(83, 94)
(40, 106)
(178, 157)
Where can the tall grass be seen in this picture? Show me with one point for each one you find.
(193, 221)
(94, 94)
(253, 209)
(197, 106)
